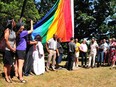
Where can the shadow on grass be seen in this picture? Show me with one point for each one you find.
(2, 75)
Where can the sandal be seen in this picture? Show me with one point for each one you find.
(23, 81)
(7, 80)
(10, 80)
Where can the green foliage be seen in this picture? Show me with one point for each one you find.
(90, 17)
(104, 28)
(86, 18)
(113, 6)
(13, 8)
(44, 6)
(31, 11)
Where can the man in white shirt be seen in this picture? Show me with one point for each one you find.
(83, 49)
(51, 47)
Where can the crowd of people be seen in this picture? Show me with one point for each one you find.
(28, 56)
(94, 54)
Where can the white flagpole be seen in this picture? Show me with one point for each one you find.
(72, 15)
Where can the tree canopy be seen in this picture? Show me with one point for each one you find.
(12, 9)
(92, 17)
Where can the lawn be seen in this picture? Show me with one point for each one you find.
(94, 77)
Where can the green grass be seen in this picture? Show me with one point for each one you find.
(96, 77)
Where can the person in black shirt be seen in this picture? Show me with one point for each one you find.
(29, 59)
(71, 53)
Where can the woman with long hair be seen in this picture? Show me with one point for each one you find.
(21, 46)
(10, 37)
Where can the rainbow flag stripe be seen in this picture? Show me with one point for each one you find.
(56, 21)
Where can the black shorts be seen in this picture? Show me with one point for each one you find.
(20, 54)
(8, 57)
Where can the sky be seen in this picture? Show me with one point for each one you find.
(37, 0)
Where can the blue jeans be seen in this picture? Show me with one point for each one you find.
(84, 58)
(59, 58)
(100, 56)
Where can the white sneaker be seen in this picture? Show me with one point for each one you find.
(113, 66)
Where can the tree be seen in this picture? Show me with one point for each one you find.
(90, 16)
(12, 9)
(44, 6)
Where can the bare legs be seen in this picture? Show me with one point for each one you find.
(20, 67)
(76, 62)
(16, 68)
(19, 70)
(7, 69)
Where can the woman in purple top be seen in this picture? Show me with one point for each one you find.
(21, 45)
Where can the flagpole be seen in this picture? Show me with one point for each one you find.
(72, 15)
(23, 8)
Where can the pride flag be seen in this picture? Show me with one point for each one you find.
(57, 21)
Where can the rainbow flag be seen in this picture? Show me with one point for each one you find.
(57, 21)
